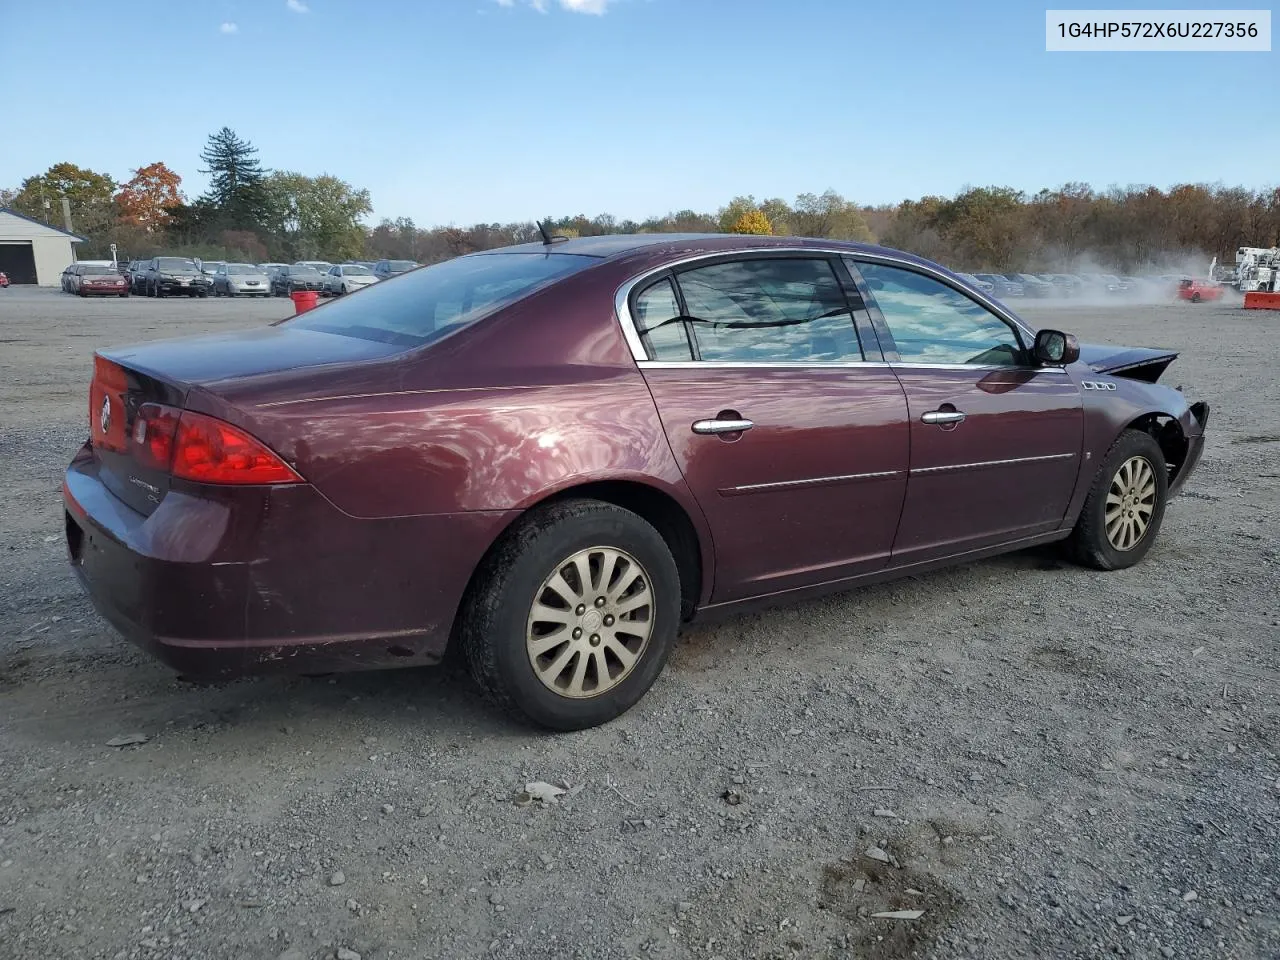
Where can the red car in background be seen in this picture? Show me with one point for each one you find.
(4, 280)
(1197, 290)
(101, 281)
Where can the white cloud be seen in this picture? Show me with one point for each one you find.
(594, 7)
(229, 27)
(297, 6)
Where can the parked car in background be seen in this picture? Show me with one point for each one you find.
(67, 273)
(268, 267)
(134, 274)
(100, 281)
(1032, 286)
(393, 268)
(210, 268)
(319, 266)
(4, 280)
(1003, 285)
(1064, 285)
(362, 485)
(985, 286)
(241, 279)
(175, 275)
(295, 278)
(347, 278)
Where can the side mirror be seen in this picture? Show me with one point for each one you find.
(1054, 348)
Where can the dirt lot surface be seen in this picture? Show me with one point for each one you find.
(1048, 761)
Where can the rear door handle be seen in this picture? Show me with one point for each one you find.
(721, 426)
(943, 417)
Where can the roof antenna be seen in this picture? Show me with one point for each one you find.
(546, 237)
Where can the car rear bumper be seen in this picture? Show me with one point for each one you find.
(223, 582)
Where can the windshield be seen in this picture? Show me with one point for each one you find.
(210, 266)
(357, 272)
(175, 263)
(239, 269)
(296, 271)
(431, 303)
(400, 266)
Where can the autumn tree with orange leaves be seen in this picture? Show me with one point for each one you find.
(148, 199)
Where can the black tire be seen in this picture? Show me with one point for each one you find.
(494, 622)
(1088, 543)
(160, 291)
(1195, 298)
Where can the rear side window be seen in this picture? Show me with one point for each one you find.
(420, 307)
(657, 315)
(770, 311)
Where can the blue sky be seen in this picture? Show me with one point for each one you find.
(458, 111)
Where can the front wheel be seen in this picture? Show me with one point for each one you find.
(1123, 512)
(573, 615)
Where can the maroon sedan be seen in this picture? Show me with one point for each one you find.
(100, 281)
(554, 454)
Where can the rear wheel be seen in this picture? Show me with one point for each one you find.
(573, 615)
(1121, 516)
(1195, 298)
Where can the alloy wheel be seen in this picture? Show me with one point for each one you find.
(590, 622)
(1131, 502)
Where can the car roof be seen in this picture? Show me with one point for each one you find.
(674, 245)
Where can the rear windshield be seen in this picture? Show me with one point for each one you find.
(421, 307)
(92, 270)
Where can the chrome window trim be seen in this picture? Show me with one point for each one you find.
(755, 364)
(827, 365)
(622, 301)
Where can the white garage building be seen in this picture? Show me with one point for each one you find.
(34, 252)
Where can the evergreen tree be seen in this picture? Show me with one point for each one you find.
(236, 181)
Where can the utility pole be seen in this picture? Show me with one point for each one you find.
(66, 214)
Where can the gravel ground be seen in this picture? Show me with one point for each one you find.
(1048, 761)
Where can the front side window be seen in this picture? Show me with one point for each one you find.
(933, 323)
(786, 310)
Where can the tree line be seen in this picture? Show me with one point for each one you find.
(252, 213)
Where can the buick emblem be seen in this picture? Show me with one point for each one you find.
(104, 416)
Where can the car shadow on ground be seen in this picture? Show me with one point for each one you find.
(49, 697)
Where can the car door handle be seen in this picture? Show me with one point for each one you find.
(943, 417)
(721, 426)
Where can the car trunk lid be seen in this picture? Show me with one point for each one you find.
(134, 383)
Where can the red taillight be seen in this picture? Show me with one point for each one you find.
(208, 450)
(107, 417)
(153, 433)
